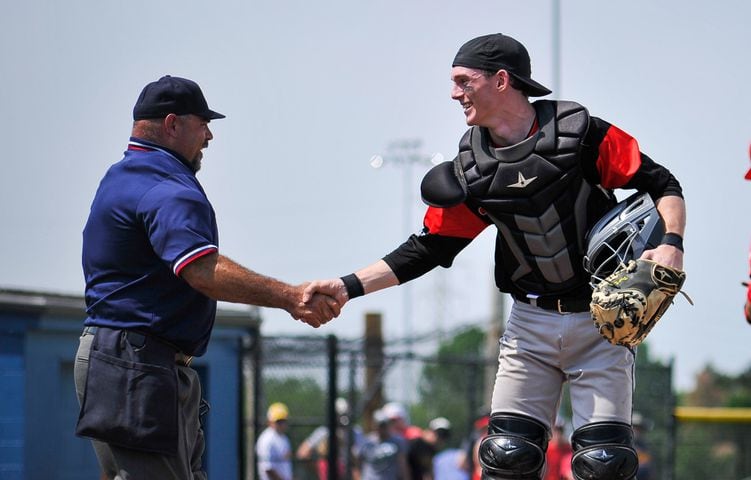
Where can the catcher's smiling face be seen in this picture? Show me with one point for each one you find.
(473, 89)
(481, 94)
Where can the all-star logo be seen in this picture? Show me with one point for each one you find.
(662, 274)
(522, 182)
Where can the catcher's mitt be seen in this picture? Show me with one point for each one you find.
(628, 303)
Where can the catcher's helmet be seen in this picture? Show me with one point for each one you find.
(622, 234)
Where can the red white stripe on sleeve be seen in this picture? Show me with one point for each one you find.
(189, 257)
(458, 221)
(619, 158)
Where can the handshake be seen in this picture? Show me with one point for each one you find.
(318, 301)
(315, 303)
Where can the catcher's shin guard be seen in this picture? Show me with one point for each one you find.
(604, 451)
(514, 448)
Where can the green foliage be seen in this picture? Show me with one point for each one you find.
(700, 457)
(653, 389)
(715, 450)
(652, 401)
(304, 397)
(453, 385)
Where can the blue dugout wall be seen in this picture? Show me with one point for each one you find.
(38, 407)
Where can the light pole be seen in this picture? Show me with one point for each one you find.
(556, 29)
(406, 153)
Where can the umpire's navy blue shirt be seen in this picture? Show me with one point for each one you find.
(149, 219)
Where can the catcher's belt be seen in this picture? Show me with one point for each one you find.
(627, 304)
(560, 305)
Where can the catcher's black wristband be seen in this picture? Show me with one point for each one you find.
(353, 286)
(673, 239)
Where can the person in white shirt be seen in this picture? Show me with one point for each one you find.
(273, 448)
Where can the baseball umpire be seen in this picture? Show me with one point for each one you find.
(543, 173)
(153, 275)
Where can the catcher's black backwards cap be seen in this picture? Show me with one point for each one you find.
(500, 52)
(172, 95)
(623, 234)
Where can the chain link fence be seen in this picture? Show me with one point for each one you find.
(309, 373)
(714, 446)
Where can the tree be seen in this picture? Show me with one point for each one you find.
(451, 384)
(305, 399)
(653, 401)
(711, 449)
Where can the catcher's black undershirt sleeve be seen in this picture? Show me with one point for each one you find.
(650, 177)
(655, 179)
(422, 253)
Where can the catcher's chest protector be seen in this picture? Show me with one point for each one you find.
(536, 195)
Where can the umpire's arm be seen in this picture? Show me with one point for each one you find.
(221, 278)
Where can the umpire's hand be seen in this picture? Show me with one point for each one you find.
(316, 309)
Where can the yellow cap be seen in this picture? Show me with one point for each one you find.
(277, 411)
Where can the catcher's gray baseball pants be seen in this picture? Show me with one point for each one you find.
(126, 464)
(542, 349)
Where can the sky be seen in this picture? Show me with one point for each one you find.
(313, 90)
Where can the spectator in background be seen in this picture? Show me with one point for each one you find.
(273, 448)
(558, 456)
(399, 420)
(316, 446)
(382, 455)
(420, 452)
(471, 445)
(448, 463)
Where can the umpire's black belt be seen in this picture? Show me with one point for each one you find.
(136, 338)
(560, 305)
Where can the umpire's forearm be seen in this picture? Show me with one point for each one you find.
(220, 278)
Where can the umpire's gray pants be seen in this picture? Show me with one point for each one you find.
(125, 464)
(542, 349)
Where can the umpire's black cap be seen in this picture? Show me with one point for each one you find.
(172, 95)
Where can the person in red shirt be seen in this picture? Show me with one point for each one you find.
(480, 432)
(558, 456)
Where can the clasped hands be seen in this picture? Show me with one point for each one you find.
(319, 301)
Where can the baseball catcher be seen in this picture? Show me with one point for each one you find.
(628, 303)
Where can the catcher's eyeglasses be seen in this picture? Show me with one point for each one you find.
(465, 84)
